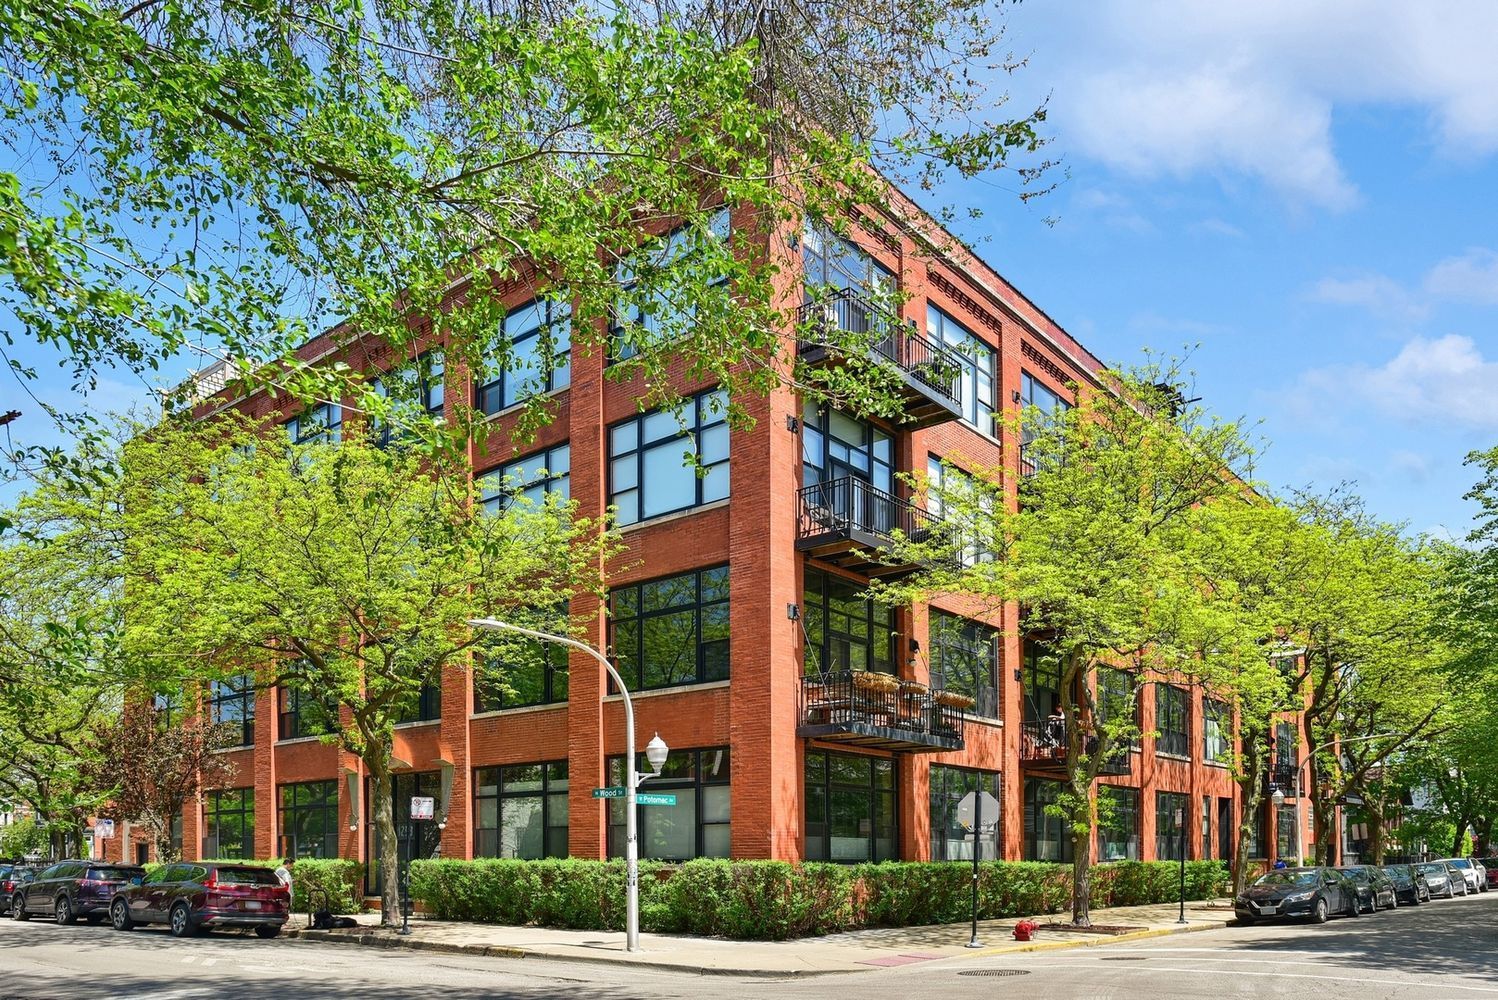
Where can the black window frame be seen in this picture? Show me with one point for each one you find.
(324, 804)
(831, 601)
(883, 813)
(706, 438)
(552, 793)
(289, 717)
(1035, 393)
(1038, 821)
(669, 246)
(498, 487)
(328, 429)
(984, 418)
(1122, 824)
(822, 269)
(402, 787)
(870, 460)
(428, 706)
(238, 812)
(1108, 696)
(707, 665)
(1039, 665)
(948, 785)
(1284, 831)
(430, 391)
(970, 644)
(227, 693)
(555, 314)
(1169, 832)
(1219, 715)
(1172, 706)
(711, 769)
(552, 660)
(166, 710)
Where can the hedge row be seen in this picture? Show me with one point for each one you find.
(340, 878)
(773, 900)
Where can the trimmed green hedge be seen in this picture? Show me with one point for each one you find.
(773, 900)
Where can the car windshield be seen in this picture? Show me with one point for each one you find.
(247, 876)
(113, 874)
(1433, 869)
(1460, 862)
(1287, 878)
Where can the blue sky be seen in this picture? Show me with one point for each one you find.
(1308, 191)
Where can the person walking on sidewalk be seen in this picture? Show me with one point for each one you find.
(283, 873)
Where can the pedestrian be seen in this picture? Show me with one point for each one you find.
(1055, 729)
(1280, 863)
(283, 873)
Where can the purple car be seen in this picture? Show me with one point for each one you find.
(72, 889)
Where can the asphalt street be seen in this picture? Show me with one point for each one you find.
(1442, 949)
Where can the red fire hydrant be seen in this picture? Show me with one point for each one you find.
(1024, 929)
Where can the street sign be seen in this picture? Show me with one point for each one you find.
(655, 799)
(422, 806)
(104, 828)
(967, 809)
(612, 792)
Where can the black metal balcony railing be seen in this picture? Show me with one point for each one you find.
(1282, 776)
(876, 710)
(847, 311)
(1045, 743)
(849, 507)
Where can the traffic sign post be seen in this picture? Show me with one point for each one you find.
(423, 807)
(970, 816)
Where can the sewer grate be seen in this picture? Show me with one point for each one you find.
(995, 972)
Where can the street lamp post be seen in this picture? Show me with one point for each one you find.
(1278, 798)
(656, 753)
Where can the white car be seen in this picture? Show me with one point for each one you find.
(1475, 882)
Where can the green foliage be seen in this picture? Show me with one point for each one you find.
(774, 900)
(22, 837)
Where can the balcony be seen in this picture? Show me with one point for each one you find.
(1042, 746)
(1282, 776)
(847, 522)
(929, 372)
(879, 712)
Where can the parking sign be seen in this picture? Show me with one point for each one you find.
(421, 806)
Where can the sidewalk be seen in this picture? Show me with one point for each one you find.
(854, 951)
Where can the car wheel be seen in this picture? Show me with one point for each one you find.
(1355, 907)
(18, 908)
(1319, 912)
(182, 925)
(267, 931)
(62, 911)
(119, 916)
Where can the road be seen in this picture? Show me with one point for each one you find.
(1443, 949)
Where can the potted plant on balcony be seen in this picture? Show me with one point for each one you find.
(955, 699)
(873, 682)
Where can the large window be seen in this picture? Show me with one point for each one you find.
(1170, 823)
(949, 840)
(413, 839)
(672, 631)
(844, 630)
(964, 658)
(1284, 829)
(231, 704)
(835, 263)
(1033, 393)
(229, 823)
(1217, 724)
(426, 707)
(697, 826)
(1206, 826)
(835, 445)
(535, 357)
(1286, 750)
(527, 479)
(1257, 843)
(304, 715)
(649, 310)
(1170, 720)
(1042, 673)
(949, 485)
(309, 820)
(651, 467)
(1118, 701)
(1046, 834)
(166, 710)
(1118, 823)
(320, 424)
(850, 808)
(530, 673)
(520, 811)
(975, 387)
(420, 384)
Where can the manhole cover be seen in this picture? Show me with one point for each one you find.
(995, 972)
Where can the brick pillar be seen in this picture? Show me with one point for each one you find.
(457, 837)
(266, 728)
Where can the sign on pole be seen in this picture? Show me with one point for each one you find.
(422, 806)
(655, 799)
(612, 792)
(967, 812)
(103, 828)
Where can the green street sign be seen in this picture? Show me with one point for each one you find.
(614, 792)
(652, 799)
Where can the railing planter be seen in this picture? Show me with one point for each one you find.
(877, 710)
(955, 699)
(875, 682)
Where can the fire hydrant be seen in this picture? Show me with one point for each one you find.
(1024, 929)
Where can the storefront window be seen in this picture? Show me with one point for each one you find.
(850, 807)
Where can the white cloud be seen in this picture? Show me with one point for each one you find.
(1472, 277)
(1442, 381)
(1410, 465)
(1249, 89)
(1375, 292)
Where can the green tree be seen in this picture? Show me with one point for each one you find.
(344, 572)
(1097, 546)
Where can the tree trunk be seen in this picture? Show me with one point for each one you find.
(1483, 845)
(1252, 800)
(389, 860)
(1375, 832)
(1081, 881)
(161, 840)
(1461, 830)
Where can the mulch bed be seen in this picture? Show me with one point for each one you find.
(1094, 929)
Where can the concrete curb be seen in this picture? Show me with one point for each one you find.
(503, 951)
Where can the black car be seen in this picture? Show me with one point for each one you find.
(203, 894)
(1379, 887)
(13, 874)
(1409, 884)
(72, 889)
(1315, 893)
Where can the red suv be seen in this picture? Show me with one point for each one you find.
(191, 895)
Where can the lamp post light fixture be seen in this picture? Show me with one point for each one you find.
(656, 753)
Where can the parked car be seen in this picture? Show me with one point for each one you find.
(1440, 881)
(1409, 884)
(1482, 874)
(72, 889)
(1361, 886)
(1381, 895)
(11, 883)
(1315, 893)
(1458, 878)
(197, 895)
(1468, 873)
(1491, 864)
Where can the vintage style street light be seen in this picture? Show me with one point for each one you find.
(656, 753)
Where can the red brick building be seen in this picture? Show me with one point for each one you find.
(750, 574)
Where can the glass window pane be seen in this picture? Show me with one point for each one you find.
(669, 483)
(715, 804)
